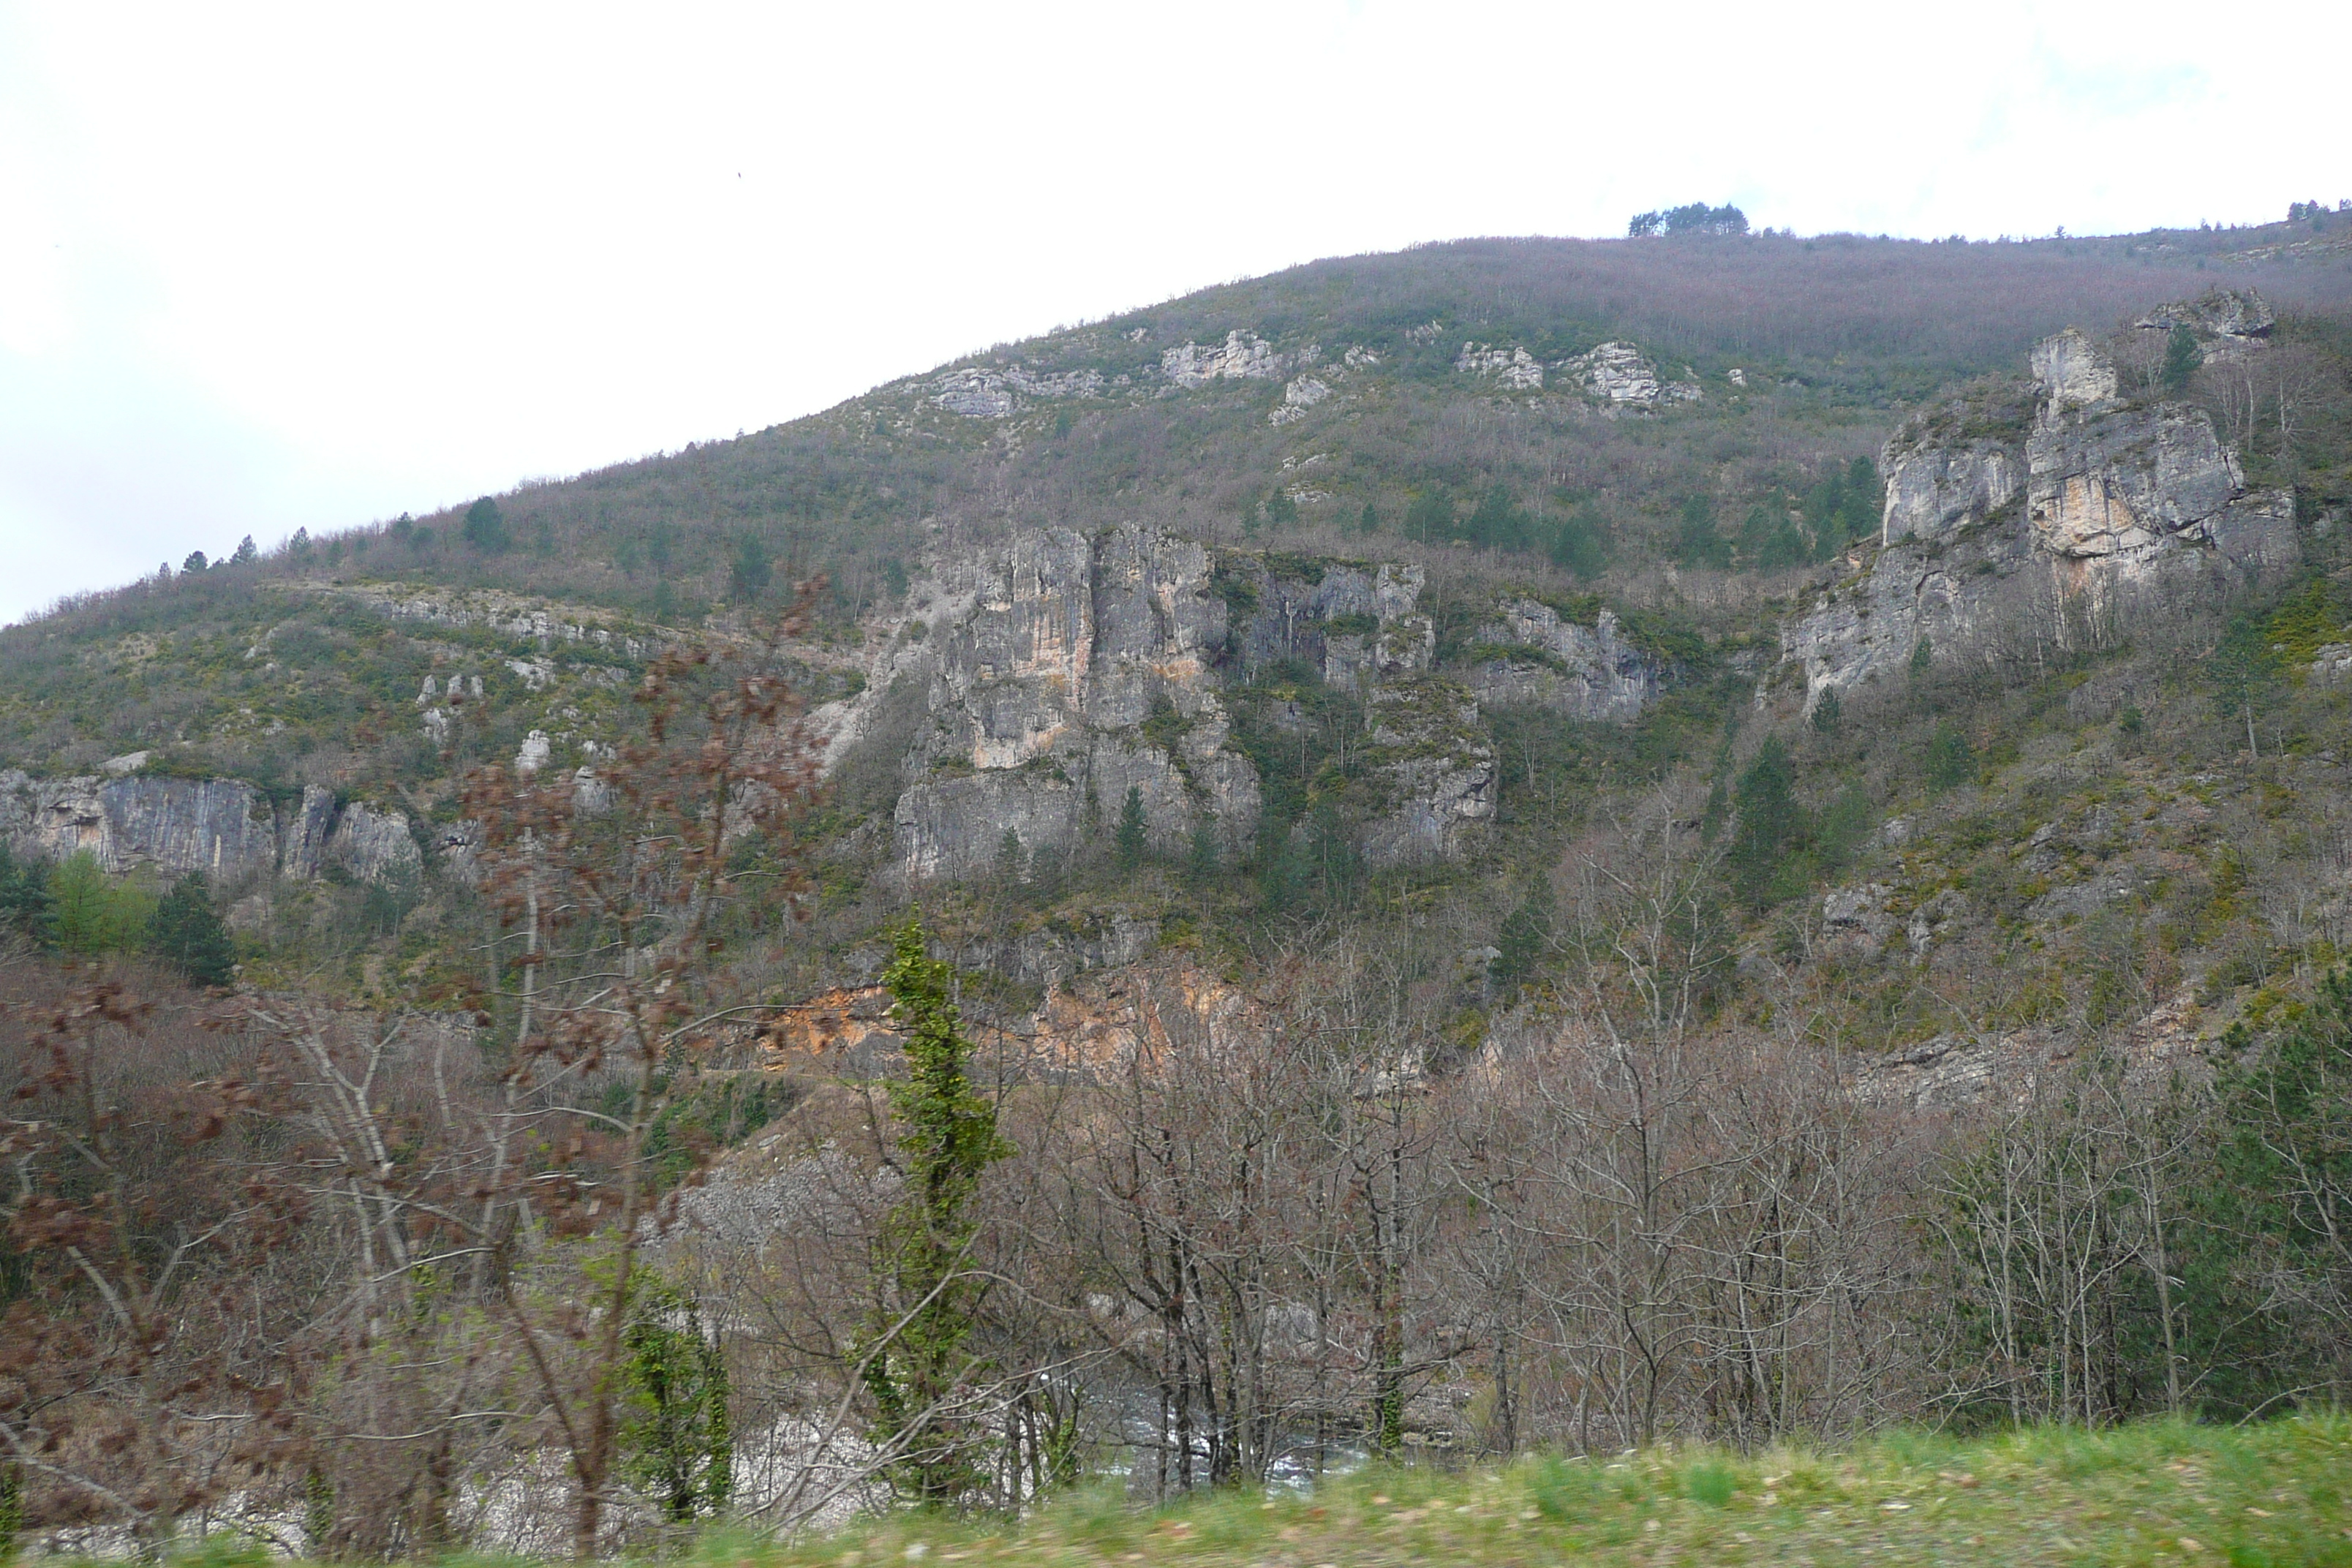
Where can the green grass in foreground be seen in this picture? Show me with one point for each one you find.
(2160, 1492)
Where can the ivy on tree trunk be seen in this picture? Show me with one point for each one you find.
(918, 1366)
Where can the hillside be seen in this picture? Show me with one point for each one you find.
(1526, 844)
(1683, 435)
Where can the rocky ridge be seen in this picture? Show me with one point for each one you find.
(1618, 374)
(2037, 509)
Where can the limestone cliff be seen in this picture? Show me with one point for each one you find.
(1534, 656)
(1038, 674)
(1060, 670)
(226, 828)
(1436, 768)
(2037, 509)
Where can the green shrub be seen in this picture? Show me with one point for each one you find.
(1710, 1481)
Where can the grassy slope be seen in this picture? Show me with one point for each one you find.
(2157, 1492)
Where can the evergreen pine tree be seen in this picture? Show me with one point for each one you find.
(1581, 545)
(1773, 826)
(1696, 543)
(1950, 759)
(92, 912)
(1202, 859)
(1129, 844)
(1827, 712)
(1497, 522)
(1524, 935)
(188, 934)
(1921, 673)
(486, 526)
(26, 907)
(752, 570)
(2181, 358)
(2246, 670)
(1430, 517)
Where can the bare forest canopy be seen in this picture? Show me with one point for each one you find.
(1522, 844)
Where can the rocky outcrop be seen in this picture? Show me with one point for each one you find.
(514, 615)
(2236, 318)
(2028, 513)
(372, 845)
(1537, 657)
(1512, 368)
(1071, 670)
(225, 829)
(1062, 671)
(1115, 1007)
(974, 394)
(1960, 463)
(981, 392)
(1244, 356)
(2168, 1044)
(2136, 487)
(1937, 490)
(1301, 394)
(1436, 770)
(1620, 374)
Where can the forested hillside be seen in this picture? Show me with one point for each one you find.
(1519, 844)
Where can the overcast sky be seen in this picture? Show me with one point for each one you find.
(263, 267)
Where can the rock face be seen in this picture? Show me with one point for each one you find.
(1244, 356)
(1062, 670)
(980, 392)
(1958, 464)
(1038, 687)
(372, 845)
(1618, 372)
(2238, 317)
(1436, 768)
(1108, 1007)
(224, 828)
(1358, 624)
(2133, 486)
(1583, 673)
(1512, 367)
(2030, 513)
(1300, 396)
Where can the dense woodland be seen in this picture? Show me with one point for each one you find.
(494, 1206)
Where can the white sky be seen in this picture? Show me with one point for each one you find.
(269, 266)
